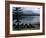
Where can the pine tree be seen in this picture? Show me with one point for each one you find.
(17, 12)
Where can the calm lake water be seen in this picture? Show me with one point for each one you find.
(29, 20)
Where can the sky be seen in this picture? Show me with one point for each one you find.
(29, 10)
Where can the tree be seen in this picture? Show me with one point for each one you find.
(17, 12)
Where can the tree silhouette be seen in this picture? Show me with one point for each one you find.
(17, 12)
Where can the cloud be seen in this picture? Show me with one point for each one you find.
(28, 10)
